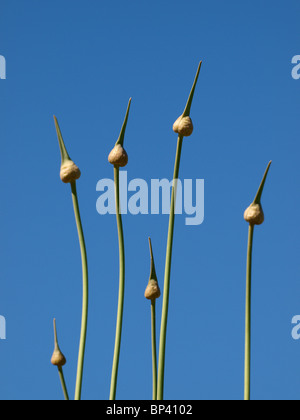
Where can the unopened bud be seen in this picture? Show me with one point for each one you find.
(152, 290)
(183, 126)
(69, 172)
(254, 214)
(118, 156)
(58, 359)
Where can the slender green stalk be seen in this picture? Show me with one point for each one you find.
(154, 355)
(152, 293)
(63, 383)
(84, 295)
(248, 315)
(255, 216)
(164, 316)
(165, 308)
(116, 358)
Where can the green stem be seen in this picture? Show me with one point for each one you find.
(154, 355)
(164, 319)
(63, 383)
(114, 375)
(84, 295)
(248, 315)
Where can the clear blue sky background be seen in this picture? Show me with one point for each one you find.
(82, 60)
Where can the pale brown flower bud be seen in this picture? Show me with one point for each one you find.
(118, 156)
(58, 359)
(183, 126)
(152, 290)
(254, 214)
(69, 172)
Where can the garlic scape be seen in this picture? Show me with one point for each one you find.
(118, 157)
(152, 293)
(183, 126)
(254, 215)
(69, 173)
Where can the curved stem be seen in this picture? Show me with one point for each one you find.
(164, 319)
(248, 315)
(154, 355)
(84, 295)
(63, 383)
(114, 375)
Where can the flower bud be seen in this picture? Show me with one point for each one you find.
(183, 126)
(58, 359)
(69, 171)
(254, 214)
(152, 290)
(118, 156)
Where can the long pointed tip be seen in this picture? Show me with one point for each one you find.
(55, 331)
(122, 133)
(187, 110)
(62, 147)
(153, 275)
(150, 247)
(257, 199)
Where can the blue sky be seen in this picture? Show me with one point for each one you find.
(82, 61)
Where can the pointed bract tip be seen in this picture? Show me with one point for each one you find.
(187, 110)
(257, 199)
